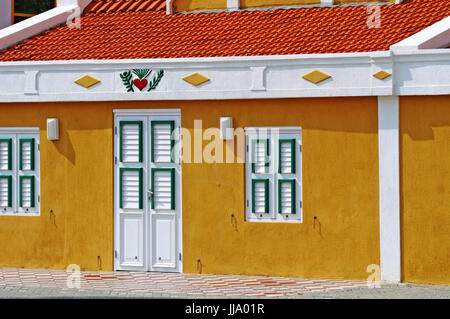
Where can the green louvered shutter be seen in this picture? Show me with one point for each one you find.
(131, 142)
(5, 192)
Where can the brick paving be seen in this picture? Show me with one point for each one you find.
(151, 284)
(46, 283)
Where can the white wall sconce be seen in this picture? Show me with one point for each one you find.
(52, 129)
(226, 128)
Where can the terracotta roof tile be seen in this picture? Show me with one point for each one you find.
(137, 29)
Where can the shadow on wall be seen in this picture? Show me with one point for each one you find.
(420, 114)
(64, 144)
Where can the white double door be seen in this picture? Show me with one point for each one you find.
(147, 187)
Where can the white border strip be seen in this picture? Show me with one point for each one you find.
(389, 183)
(435, 36)
(141, 112)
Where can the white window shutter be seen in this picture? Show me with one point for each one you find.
(131, 188)
(5, 191)
(286, 156)
(162, 143)
(260, 196)
(26, 192)
(274, 174)
(131, 141)
(260, 156)
(26, 154)
(286, 196)
(5, 154)
(163, 188)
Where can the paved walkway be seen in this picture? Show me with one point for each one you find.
(45, 283)
(167, 285)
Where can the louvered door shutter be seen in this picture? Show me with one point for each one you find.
(162, 142)
(131, 141)
(163, 188)
(131, 196)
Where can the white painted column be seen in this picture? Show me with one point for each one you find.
(233, 4)
(389, 180)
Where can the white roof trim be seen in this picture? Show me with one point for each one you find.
(434, 37)
(65, 10)
(136, 112)
(415, 72)
(326, 58)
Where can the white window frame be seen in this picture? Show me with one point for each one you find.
(18, 133)
(274, 134)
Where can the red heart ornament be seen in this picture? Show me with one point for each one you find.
(140, 84)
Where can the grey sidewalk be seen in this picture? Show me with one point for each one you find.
(400, 291)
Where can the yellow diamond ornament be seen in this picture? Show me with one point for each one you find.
(316, 76)
(196, 79)
(87, 81)
(382, 75)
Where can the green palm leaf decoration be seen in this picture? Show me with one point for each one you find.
(155, 81)
(142, 73)
(126, 79)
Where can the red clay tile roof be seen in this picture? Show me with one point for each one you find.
(108, 33)
(97, 6)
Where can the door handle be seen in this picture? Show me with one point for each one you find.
(150, 194)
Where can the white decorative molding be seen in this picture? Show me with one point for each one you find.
(258, 78)
(30, 82)
(137, 112)
(327, 2)
(434, 37)
(389, 183)
(414, 72)
(41, 22)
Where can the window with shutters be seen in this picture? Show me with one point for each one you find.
(19, 171)
(273, 174)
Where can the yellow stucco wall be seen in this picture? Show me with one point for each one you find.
(340, 187)
(198, 5)
(204, 5)
(76, 185)
(425, 184)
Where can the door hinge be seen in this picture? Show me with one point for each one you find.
(247, 202)
(39, 147)
(115, 160)
(39, 198)
(301, 204)
(179, 256)
(247, 148)
(115, 253)
(300, 147)
(115, 130)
